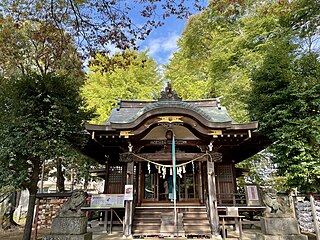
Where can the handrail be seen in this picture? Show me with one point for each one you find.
(232, 199)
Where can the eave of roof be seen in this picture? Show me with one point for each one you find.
(130, 113)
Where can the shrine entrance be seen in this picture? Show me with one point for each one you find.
(158, 187)
(142, 140)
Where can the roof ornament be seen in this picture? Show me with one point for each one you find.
(218, 102)
(169, 95)
(119, 103)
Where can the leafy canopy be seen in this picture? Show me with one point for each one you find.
(263, 59)
(42, 117)
(126, 75)
(96, 25)
(34, 46)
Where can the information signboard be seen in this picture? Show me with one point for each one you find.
(252, 195)
(128, 192)
(107, 200)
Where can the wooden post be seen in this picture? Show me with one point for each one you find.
(213, 209)
(106, 177)
(315, 219)
(139, 190)
(200, 187)
(128, 203)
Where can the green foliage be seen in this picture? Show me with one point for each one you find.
(218, 50)
(41, 119)
(286, 97)
(187, 70)
(262, 58)
(96, 25)
(34, 46)
(262, 172)
(127, 75)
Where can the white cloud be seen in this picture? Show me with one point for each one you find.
(161, 48)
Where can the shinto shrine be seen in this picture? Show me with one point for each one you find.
(179, 156)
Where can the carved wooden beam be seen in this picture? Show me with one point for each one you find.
(159, 157)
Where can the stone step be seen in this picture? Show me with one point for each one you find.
(261, 236)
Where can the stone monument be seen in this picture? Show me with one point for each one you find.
(71, 222)
(279, 222)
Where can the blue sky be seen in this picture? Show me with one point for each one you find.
(162, 42)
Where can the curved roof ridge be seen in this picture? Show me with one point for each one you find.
(177, 104)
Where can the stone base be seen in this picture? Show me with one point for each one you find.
(69, 225)
(216, 237)
(279, 226)
(261, 236)
(85, 236)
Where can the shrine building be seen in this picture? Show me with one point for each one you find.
(179, 156)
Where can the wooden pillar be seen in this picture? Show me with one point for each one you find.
(213, 208)
(200, 186)
(128, 203)
(139, 190)
(106, 178)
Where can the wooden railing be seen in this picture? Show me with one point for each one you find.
(231, 199)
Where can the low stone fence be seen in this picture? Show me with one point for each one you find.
(307, 209)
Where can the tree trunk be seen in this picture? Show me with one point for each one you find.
(8, 206)
(14, 203)
(85, 183)
(60, 177)
(32, 198)
(5, 213)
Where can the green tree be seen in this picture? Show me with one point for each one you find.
(97, 24)
(126, 75)
(42, 117)
(234, 46)
(34, 46)
(214, 55)
(285, 96)
(285, 99)
(188, 69)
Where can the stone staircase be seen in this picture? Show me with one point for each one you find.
(160, 222)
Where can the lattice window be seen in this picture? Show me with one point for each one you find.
(117, 174)
(224, 173)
